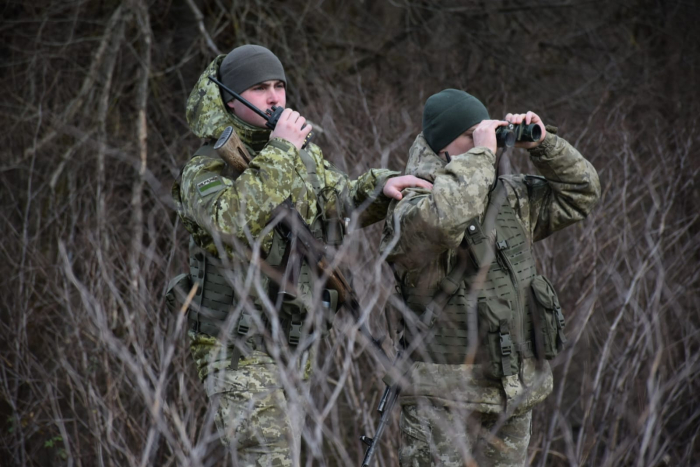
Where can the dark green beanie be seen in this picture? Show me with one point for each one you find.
(448, 114)
(248, 65)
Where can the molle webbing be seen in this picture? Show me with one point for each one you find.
(448, 336)
(515, 255)
(213, 302)
(511, 270)
(215, 298)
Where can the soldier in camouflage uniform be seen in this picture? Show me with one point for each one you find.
(240, 330)
(472, 387)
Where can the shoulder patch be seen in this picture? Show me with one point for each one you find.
(210, 185)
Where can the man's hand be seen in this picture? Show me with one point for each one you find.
(289, 127)
(527, 118)
(484, 134)
(394, 186)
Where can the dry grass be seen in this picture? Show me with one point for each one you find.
(94, 371)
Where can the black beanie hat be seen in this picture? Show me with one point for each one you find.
(248, 65)
(448, 114)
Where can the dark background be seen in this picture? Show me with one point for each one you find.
(94, 371)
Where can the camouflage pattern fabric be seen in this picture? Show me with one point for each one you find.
(437, 435)
(251, 410)
(209, 202)
(252, 414)
(428, 226)
(207, 115)
(465, 387)
(420, 236)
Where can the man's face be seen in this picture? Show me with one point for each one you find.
(461, 144)
(263, 96)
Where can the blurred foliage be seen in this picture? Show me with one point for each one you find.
(95, 135)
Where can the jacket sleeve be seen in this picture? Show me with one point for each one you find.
(240, 207)
(426, 223)
(568, 192)
(364, 194)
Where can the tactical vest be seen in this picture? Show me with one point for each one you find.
(215, 297)
(503, 308)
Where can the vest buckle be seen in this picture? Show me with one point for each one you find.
(295, 333)
(560, 317)
(505, 340)
(506, 344)
(243, 324)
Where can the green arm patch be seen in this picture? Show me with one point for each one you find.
(210, 185)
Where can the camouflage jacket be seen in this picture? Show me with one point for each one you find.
(208, 201)
(423, 230)
(220, 209)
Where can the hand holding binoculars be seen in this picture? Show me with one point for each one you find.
(507, 136)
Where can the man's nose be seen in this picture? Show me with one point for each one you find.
(273, 97)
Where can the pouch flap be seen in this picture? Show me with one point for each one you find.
(544, 292)
(493, 311)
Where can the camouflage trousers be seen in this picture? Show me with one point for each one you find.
(252, 414)
(434, 435)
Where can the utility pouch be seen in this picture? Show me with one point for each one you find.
(176, 292)
(551, 332)
(292, 306)
(495, 316)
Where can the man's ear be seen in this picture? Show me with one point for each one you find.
(229, 104)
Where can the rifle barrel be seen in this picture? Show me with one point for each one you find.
(382, 423)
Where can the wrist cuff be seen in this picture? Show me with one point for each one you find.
(549, 142)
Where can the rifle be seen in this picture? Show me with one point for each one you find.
(271, 116)
(386, 404)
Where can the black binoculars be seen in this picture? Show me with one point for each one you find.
(507, 136)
